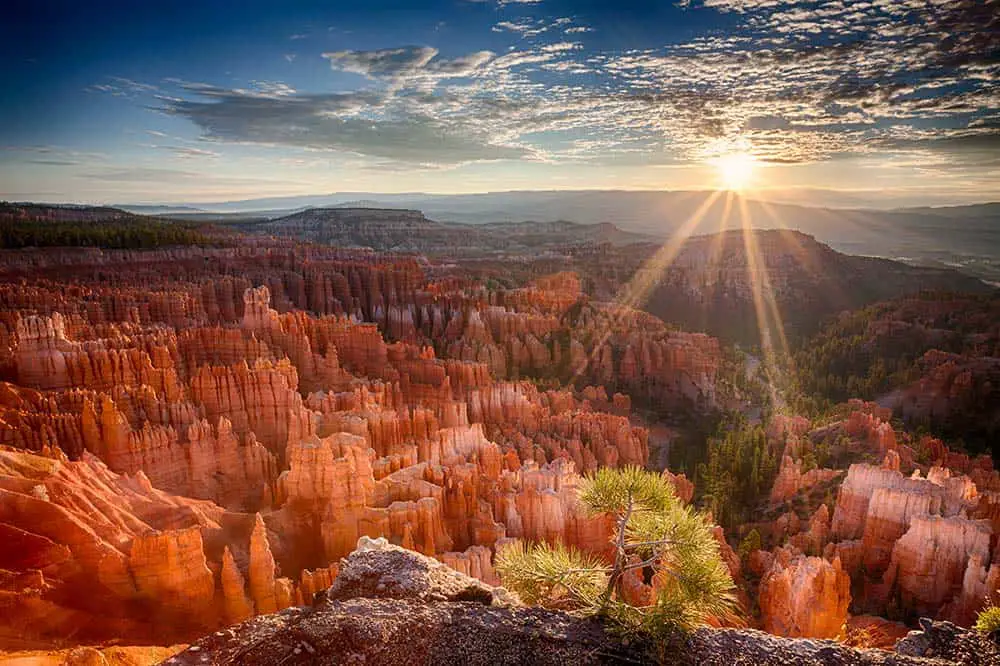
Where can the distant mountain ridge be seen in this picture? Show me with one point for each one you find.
(807, 198)
(966, 238)
(710, 282)
(402, 230)
(713, 284)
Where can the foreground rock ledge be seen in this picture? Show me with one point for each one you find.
(391, 606)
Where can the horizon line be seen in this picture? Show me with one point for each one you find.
(756, 194)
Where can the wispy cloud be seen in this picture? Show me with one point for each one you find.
(52, 155)
(365, 122)
(186, 152)
(141, 174)
(55, 162)
(123, 87)
(407, 62)
(560, 47)
(147, 174)
(526, 27)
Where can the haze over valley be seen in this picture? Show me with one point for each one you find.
(962, 237)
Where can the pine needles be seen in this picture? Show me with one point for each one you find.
(553, 576)
(654, 532)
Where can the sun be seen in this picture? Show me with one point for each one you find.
(736, 170)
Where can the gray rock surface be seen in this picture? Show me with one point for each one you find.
(379, 570)
(946, 641)
(394, 607)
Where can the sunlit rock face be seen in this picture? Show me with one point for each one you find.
(108, 553)
(879, 505)
(792, 480)
(188, 454)
(909, 540)
(804, 596)
(171, 567)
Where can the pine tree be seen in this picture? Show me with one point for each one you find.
(654, 531)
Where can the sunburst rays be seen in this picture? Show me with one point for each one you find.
(774, 345)
(635, 292)
(769, 321)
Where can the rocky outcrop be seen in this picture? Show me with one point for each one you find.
(393, 606)
(929, 562)
(378, 570)
(170, 570)
(804, 596)
(792, 480)
(719, 647)
(946, 642)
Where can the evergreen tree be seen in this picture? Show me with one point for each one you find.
(654, 532)
(738, 472)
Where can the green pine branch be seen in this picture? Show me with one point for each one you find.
(654, 531)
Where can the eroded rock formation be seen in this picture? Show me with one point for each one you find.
(293, 434)
(804, 596)
(906, 540)
(195, 436)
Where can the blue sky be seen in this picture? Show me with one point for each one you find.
(168, 102)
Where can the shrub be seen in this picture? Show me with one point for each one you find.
(988, 619)
(655, 532)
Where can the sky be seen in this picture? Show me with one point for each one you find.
(168, 102)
